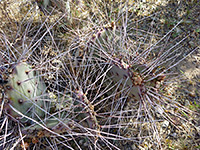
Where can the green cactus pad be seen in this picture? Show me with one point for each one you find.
(24, 91)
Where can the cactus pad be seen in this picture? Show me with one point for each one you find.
(24, 90)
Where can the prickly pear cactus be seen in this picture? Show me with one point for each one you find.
(24, 90)
(127, 66)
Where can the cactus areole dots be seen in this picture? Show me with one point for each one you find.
(24, 92)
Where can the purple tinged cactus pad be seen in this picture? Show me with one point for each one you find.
(120, 71)
(122, 74)
(130, 78)
(24, 90)
(127, 74)
(108, 33)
